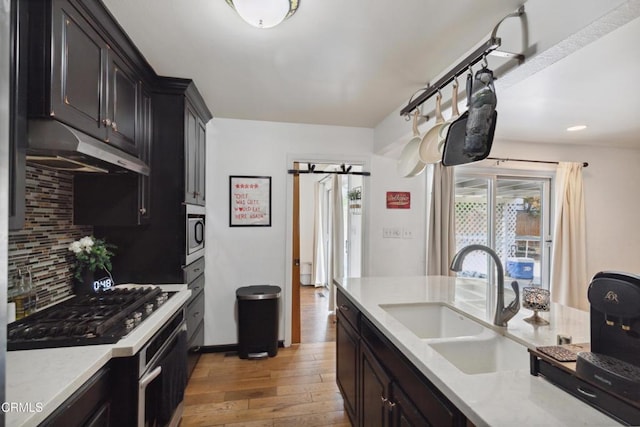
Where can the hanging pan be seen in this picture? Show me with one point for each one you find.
(457, 147)
(429, 152)
(409, 163)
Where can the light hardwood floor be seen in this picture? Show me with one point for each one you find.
(295, 388)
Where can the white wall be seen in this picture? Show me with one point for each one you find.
(241, 256)
(610, 190)
(396, 257)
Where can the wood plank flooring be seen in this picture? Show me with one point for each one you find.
(295, 388)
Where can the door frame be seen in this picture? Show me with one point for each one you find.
(303, 159)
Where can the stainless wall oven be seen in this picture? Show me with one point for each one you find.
(149, 386)
(195, 233)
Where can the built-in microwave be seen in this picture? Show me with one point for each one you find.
(195, 232)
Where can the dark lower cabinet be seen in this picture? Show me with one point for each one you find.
(375, 382)
(89, 406)
(348, 344)
(405, 413)
(194, 277)
(389, 389)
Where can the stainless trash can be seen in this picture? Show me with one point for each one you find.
(258, 318)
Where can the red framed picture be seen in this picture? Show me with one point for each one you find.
(398, 200)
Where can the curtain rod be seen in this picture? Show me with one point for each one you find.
(297, 172)
(501, 159)
(344, 170)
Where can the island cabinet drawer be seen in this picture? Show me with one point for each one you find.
(347, 309)
(193, 270)
(426, 401)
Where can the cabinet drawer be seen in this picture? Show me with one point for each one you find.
(195, 314)
(196, 287)
(348, 310)
(88, 401)
(193, 270)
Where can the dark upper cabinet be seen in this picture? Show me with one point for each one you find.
(195, 153)
(79, 76)
(119, 199)
(123, 105)
(145, 139)
(78, 57)
(17, 116)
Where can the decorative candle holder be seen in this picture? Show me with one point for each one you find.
(535, 299)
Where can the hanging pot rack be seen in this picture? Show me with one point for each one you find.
(490, 47)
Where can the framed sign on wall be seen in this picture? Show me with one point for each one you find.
(250, 201)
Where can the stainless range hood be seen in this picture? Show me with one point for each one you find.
(55, 145)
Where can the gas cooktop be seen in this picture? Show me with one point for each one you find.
(101, 318)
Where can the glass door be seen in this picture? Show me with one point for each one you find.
(510, 215)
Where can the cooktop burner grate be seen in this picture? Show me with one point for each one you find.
(102, 318)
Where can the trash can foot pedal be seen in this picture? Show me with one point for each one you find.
(261, 355)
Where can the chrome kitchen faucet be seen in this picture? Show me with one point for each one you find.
(503, 314)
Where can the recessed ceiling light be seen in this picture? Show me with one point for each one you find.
(576, 128)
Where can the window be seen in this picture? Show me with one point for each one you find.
(509, 214)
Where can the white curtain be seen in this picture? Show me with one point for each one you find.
(569, 280)
(319, 262)
(441, 235)
(337, 238)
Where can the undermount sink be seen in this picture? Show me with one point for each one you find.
(483, 354)
(433, 320)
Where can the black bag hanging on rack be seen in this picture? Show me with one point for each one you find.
(482, 118)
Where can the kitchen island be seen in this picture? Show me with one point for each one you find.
(505, 395)
(39, 381)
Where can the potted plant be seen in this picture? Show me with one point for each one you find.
(91, 255)
(355, 196)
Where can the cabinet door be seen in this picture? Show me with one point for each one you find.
(78, 80)
(191, 156)
(123, 105)
(201, 164)
(405, 413)
(375, 391)
(145, 136)
(347, 348)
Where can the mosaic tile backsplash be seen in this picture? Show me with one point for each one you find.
(43, 243)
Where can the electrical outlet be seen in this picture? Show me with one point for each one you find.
(407, 233)
(391, 232)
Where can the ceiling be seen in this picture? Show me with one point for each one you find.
(352, 63)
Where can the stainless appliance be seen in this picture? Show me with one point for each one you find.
(604, 373)
(195, 232)
(102, 318)
(148, 388)
(58, 146)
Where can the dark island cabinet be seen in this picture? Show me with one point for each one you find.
(79, 76)
(389, 389)
(89, 406)
(348, 344)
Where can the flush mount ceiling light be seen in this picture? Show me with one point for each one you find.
(576, 128)
(264, 13)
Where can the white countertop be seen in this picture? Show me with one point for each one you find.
(41, 380)
(503, 398)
